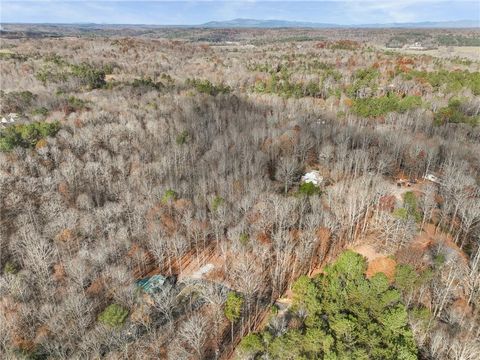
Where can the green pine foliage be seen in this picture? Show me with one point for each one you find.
(7, 55)
(217, 202)
(75, 104)
(16, 101)
(244, 239)
(347, 317)
(57, 70)
(26, 135)
(89, 75)
(182, 138)
(453, 114)
(42, 111)
(280, 84)
(10, 268)
(458, 40)
(375, 107)
(411, 204)
(349, 45)
(410, 208)
(169, 195)
(363, 78)
(309, 189)
(147, 83)
(206, 87)
(114, 315)
(407, 279)
(233, 307)
(454, 81)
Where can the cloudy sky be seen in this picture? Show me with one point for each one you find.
(201, 11)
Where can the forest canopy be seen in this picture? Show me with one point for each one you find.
(341, 315)
(165, 192)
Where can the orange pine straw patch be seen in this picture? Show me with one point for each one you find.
(385, 265)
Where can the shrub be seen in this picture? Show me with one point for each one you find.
(251, 344)
(169, 195)
(10, 268)
(349, 45)
(401, 213)
(49, 73)
(89, 75)
(244, 238)
(308, 189)
(16, 101)
(206, 87)
(147, 83)
(76, 103)
(13, 56)
(409, 102)
(40, 111)
(114, 315)
(217, 202)
(409, 209)
(182, 138)
(56, 59)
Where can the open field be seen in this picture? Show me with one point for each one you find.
(444, 52)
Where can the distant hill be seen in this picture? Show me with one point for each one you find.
(253, 23)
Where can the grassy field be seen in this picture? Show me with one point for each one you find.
(467, 52)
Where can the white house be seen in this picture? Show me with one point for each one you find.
(417, 46)
(313, 177)
(432, 178)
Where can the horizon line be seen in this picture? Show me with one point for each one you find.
(248, 19)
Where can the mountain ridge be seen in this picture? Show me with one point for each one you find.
(273, 23)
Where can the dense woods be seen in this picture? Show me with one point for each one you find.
(340, 314)
(152, 202)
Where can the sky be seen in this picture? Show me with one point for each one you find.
(164, 12)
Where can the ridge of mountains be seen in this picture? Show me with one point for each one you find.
(254, 23)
